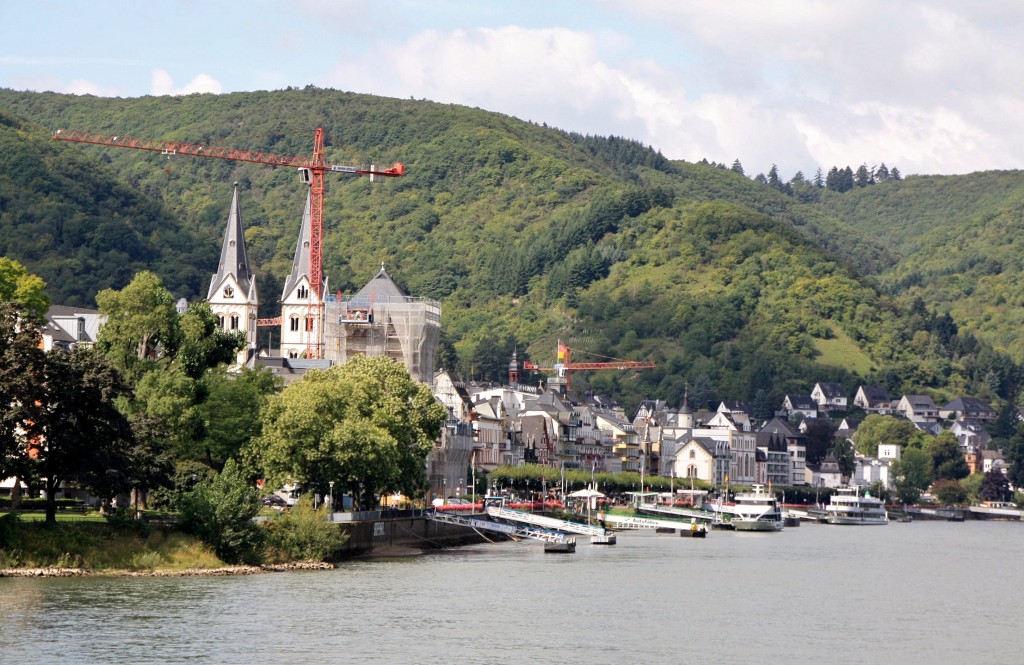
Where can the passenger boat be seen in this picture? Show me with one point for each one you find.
(756, 510)
(847, 506)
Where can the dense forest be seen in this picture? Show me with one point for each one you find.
(737, 287)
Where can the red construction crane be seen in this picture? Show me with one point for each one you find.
(311, 169)
(564, 366)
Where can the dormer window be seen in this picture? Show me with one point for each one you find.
(229, 292)
(303, 293)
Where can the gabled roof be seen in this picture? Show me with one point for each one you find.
(919, 402)
(832, 390)
(802, 402)
(734, 406)
(968, 404)
(875, 393)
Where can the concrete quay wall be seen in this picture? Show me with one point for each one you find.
(383, 533)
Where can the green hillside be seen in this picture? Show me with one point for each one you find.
(526, 234)
(958, 239)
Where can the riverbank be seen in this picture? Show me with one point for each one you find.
(223, 571)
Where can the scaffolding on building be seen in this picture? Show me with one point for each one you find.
(403, 328)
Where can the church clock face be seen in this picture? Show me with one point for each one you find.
(229, 292)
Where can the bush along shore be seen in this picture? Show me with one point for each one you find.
(301, 540)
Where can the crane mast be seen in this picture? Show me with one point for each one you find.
(312, 170)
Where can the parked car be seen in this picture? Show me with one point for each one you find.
(274, 501)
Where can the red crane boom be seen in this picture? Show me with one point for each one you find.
(312, 168)
(564, 366)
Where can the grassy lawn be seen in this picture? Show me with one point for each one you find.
(62, 516)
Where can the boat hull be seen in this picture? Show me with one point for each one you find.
(839, 519)
(756, 525)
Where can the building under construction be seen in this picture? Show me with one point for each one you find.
(380, 320)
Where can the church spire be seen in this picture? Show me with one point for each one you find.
(300, 263)
(234, 261)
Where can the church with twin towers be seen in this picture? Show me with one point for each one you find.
(378, 320)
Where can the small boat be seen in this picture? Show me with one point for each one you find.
(695, 531)
(847, 506)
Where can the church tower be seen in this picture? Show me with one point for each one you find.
(300, 322)
(232, 295)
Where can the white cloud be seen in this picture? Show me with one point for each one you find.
(163, 84)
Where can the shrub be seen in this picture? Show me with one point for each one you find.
(9, 524)
(304, 533)
(220, 512)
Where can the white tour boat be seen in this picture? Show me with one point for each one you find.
(847, 506)
(756, 510)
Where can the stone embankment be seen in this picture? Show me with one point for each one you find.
(53, 571)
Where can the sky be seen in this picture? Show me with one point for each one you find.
(926, 86)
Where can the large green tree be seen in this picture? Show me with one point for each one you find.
(366, 425)
(75, 430)
(876, 429)
(139, 319)
(948, 461)
(912, 474)
(21, 369)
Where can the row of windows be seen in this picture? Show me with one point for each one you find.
(293, 323)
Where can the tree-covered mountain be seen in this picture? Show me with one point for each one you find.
(527, 235)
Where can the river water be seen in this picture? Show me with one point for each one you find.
(926, 592)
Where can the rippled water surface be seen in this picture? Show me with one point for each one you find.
(927, 592)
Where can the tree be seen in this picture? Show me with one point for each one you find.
(220, 512)
(24, 290)
(140, 318)
(995, 486)
(1015, 456)
(737, 167)
(21, 368)
(949, 492)
(199, 343)
(912, 474)
(821, 437)
(230, 413)
(365, 424)
(844, 453)
(876, 429)
(75, 432)
(150, 459)
(948, 461)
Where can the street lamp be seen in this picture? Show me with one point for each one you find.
(330, 509)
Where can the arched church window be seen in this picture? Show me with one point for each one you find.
(294, 324)
(220, 320)
(303, 293)
(234, 322)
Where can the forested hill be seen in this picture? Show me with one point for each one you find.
(959, 241)
(527, 234)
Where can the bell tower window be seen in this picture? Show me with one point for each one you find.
(293, 324)
(229, 292)
(303, 293)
